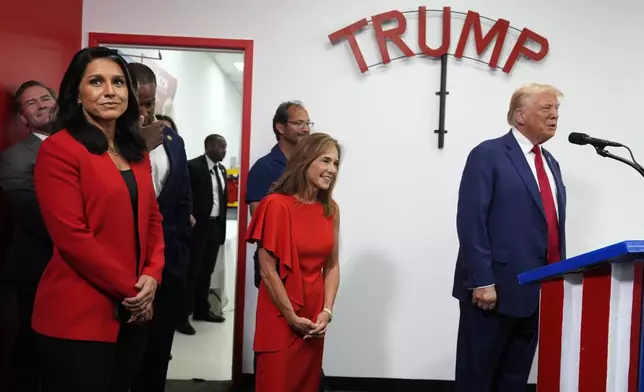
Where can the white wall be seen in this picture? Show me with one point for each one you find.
(206, 101)
(394, 314)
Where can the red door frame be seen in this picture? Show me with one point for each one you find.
(96, 39)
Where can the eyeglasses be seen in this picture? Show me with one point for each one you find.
(301, 124)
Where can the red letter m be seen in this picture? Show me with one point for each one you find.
(498, 31)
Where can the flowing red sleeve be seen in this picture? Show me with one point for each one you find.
(271, 229)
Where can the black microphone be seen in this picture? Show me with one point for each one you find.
(583, 139)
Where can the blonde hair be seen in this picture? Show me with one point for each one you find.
(294, 179)
(526, 91)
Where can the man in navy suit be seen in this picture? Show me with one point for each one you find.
(172, 186)
(511, 219)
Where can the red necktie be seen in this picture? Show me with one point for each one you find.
(554, 253)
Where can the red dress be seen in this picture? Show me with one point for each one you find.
(301, 239)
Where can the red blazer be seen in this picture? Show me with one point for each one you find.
(87, 210)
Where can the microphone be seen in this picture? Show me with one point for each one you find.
(599, 144)
(583, 139)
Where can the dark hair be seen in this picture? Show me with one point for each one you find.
(211, 138)
(141, 73)
(69, 114)
(23, 87)
(163, 117)
(281, 115)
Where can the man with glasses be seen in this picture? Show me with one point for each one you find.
(290, 124)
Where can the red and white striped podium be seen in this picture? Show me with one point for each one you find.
(590, 332)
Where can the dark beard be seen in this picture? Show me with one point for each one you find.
(293, 140)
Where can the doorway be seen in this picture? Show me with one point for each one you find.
(204, 85)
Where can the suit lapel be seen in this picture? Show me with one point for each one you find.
(223, 179)
(206, 173)
(559, 184)
(223, 207)
(561, 201)
(169, 151)
(33, 142)
(521, 164)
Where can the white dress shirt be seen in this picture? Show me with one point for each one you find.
(160, 168)
(41, 136)
(526, 146)
(216, 168)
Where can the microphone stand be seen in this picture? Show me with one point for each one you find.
(602, 152)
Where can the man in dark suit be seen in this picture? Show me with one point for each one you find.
(9, 324)
(172, 186)
(31, 247)
(209, 206)
(511, 219)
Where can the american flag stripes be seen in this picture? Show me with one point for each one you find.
(590, 321)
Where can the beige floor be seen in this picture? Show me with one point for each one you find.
(207, 355)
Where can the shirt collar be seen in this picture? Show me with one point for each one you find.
(277, 154)
(40, 136)
(211, 164)
(524, 143)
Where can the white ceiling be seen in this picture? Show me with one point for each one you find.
(227, 61)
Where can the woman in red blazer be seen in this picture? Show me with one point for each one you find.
(94, 187)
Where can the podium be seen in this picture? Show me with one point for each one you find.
(590, 327)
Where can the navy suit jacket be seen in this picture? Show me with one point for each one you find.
(175, 205)
(502, 226)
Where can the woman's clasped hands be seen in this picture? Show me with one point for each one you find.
(308, 329)
(141, 306)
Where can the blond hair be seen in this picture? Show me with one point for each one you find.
(294, 179)
(526, 91)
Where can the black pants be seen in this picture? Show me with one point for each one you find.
(167, 315)
(204, 248)
(494, 352)
(24, 365)
(8, 330)
(82, 366)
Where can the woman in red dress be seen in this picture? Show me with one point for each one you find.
(296, 228)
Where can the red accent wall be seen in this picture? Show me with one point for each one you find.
(37, 41)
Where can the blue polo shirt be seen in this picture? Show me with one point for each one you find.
(261, 176)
